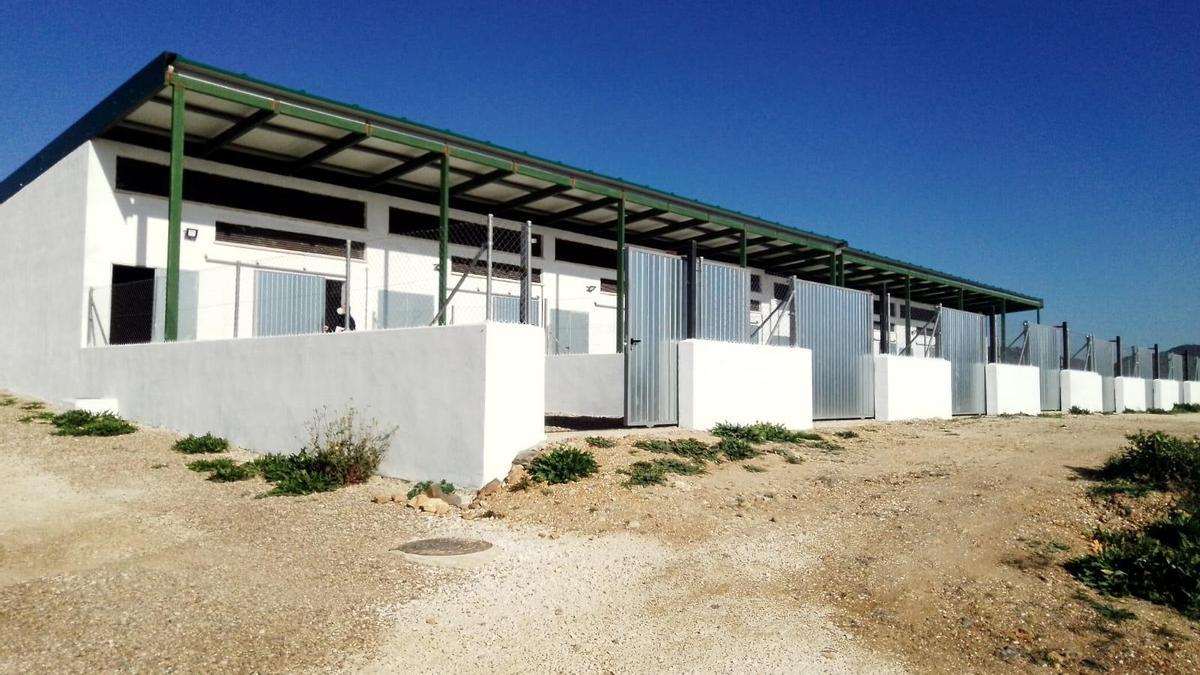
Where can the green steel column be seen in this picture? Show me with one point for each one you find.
(961, 293)
(742, 248)
(841, 268)
(443, 239)
(833, 256)
(174, 216)
(621, 275)
(908, 315)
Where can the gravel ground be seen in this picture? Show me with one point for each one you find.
(913, 547)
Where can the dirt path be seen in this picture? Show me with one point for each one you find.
(922, 547)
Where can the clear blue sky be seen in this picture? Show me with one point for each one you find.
(1050, 149)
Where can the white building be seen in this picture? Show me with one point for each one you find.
(273, 208)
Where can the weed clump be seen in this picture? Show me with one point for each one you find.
(199, 445)
(735, 449)
(1156, 460)
(223, 470)
(1076, 410)
(688, 448)
(1186, 408)
(763, 432)
(563, 464)
(846, 434)
(7, 401)
(600, 442)
(655, 472)
(85, 423)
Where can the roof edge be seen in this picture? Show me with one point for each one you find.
(132, 93)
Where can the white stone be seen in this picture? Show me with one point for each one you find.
(744, 383)
(1013, 390)
(1082, 389)
(912, 387)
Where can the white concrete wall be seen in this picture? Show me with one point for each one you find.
(41, 280)
(464, 399)
(585, 384)
(1081, 389)
(743, 384)
(1013, 390)
(1191, 392)
(911, 387)
(1166, 394)
(1130, 394)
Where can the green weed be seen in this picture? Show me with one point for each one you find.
(846, 434)
(688, 448)
(655, 472)
(763, 432)
(1076, 410)
(734, 448)
(446, 486)
(563, 464)
(85, 423)
(33, 405)
(223, 470)
(206, 444)
(600, 442)
(7, 401)
(753, 468)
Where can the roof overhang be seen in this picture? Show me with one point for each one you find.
(241, 121)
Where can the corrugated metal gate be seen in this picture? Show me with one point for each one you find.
(1104, 361)
(1044, 349)
(837, 325)
(723, 302)
(288, 304)
(962, 340)
(655, 323)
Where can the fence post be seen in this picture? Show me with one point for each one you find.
(237, 295)
(794, 322)
(443, 237)
(526, 272)
(908, 315)
(91, 334)
(346, 291)
(1120, 358)
(1186, 375)
(1154, 370)
(622, 282)
(885, 321)
(693, 291)
(1066, 347)
(994, 349)
(487, 308)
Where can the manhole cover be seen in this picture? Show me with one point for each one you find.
(444, 546)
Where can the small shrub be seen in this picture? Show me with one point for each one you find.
(7, 401)
(736, 449)
(1076, 410)
(763, 432)
(688, 448)
(347, 448)
(655, 472)
(33, 405)
(846, 434)
(85, 423)
(223, 470)
(1120, 487)
(1157, 460)
(1158, 411)
(43, 416)
(600, 442)
(198, 445)
(787, 455)
(1186, 408)
(446, 486)
(563, 464)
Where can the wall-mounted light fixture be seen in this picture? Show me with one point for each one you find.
(191, 233)
(590, 289)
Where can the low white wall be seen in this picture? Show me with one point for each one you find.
(1082, 389)
(464, 400)
(1191, 392)
(1130, 393)
(911, 387)
(1166, 394)
(586, 384)
(1013, 390)
(743, 384)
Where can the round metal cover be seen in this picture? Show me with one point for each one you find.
(444, 546)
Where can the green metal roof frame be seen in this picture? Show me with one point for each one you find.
(358, 123)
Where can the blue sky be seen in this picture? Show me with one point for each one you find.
(1051, 149)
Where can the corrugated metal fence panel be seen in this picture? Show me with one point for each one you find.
(1044, 350)
(405, 310)
(837, 325)
(1079, 350)
(656, 316)
(1173, 369)
(723, 302)
(568, 332)
(288, 304)
(1104, 362)
(963, 341)
(1194, 368)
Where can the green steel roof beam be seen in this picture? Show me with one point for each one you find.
(402, 169)
(636, 216)
(321, 154)
(667, 229)
(579, 210)
(234, 132)
(535, 196)
(479, 181)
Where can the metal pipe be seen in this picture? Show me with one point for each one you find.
(693, 291)
(487, 310)
(526, 273)
(237, 295)
(346, 291)
(1154, 369)
(443, 238)
(91, 334)
(885, 320)
(794, 327)
(908, 315)
(1066, 347)
(1117, 365)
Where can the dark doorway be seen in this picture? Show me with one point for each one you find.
(131, 317)
(333, 300)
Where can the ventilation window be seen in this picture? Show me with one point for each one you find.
(427, 226)
(585, 254)
(287, 241)
(134, 175)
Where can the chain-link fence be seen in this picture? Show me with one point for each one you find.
(322, 285)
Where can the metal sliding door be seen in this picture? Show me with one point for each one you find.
(837, 324)
(963, 340)
(655, 323)
(723, 302)
(1044, 350)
